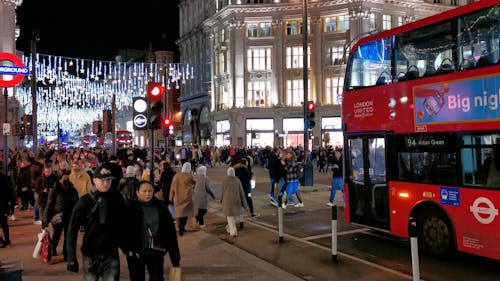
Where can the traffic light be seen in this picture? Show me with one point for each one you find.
(310, 108)
(155, 93)
(166, 123)
(140, 118)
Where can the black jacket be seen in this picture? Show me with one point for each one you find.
(40, 185)
(6, 194)
(275, 168)
(98, 239)
(166, 237)
(60, 200)
(243, 174)
(166, 182)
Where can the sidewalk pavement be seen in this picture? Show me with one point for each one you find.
(203, 257)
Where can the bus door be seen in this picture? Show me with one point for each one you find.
(366, 180)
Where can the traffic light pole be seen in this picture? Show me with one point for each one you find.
(307, 164)
(152, 161)
(305, 78)
(5, 137)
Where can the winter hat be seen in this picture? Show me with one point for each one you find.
(102, 173)
(130, 172)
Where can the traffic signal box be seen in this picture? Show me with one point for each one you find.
(154, 95)
(310, 109)
(140, 118)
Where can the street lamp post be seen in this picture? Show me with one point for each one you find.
(308, 167)
(5, 137)
(305, 76)
(34, 106)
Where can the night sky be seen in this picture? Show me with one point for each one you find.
(97, 29)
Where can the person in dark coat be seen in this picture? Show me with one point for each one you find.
(24, 184)
(166, 178)
(6, 201)
(61, 200)
(100, 212)
(43, 185)
(337, 176)
(116, 171)
(276, 172)
(244, 175)
(150, 234)
(127, 185)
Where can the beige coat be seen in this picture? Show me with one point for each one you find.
(81, 181)
(232, 197)
(181, 194)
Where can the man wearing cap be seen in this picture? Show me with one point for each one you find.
(100, 212)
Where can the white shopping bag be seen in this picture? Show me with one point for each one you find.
(38, 245)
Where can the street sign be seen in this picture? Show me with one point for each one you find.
(6, 129)
(140, 121)
(17, 69)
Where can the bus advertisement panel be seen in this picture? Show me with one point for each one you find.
(421, 121)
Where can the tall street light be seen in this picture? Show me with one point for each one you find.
(308, 168)
(34, 39)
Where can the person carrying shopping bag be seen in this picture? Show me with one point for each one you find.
(150, 234)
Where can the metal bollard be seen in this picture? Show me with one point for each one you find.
(280, 224)
(414, 249)
(334, 233)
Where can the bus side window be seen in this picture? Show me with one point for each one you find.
(489, 172)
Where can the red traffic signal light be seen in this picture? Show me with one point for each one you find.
(154, 90)
(311, 106)
(166, 122)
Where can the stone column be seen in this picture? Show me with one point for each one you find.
(8, 25)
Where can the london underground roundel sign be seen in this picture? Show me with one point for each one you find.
(17, 69)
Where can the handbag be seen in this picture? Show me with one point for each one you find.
(175, 274)
(38, 245)
(46, 251)
(57, 218)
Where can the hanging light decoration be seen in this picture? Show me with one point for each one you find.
(73, 92)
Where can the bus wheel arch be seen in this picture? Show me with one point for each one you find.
(435, 232)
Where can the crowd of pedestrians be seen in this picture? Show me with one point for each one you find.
(104, 195)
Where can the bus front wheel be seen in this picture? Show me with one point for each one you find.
(435, 233)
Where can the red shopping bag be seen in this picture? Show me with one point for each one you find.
(46, 251)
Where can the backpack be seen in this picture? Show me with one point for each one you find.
(300, 171)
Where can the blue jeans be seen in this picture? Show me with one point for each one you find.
(271, 192)
(337, 184)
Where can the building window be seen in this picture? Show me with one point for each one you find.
(224, 98)
(373, 21)
(222, 35)
(330, 24)
(295, 92)
(264, 29)
(221, 63)
(293, 28)
(333, 90)
(252, 30)
(401, 21)
(386, 22)
(259, 59)
(334, 55)
(259, 94)
(343, 23)
(295, 58)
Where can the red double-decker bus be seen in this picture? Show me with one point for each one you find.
(421, 119)
(124, 138)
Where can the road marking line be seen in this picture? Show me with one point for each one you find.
(377, 266)
(347, 232)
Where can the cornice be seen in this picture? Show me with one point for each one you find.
(13, 2)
